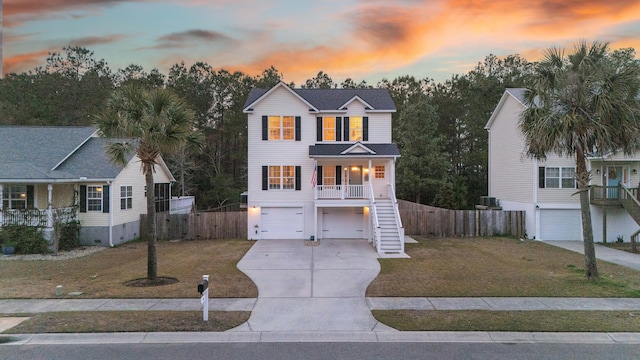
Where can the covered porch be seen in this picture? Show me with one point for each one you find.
(354, 194)
(37, 204)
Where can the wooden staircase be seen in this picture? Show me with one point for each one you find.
(630, 203)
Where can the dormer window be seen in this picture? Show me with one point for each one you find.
(355, 128)
(329, 128)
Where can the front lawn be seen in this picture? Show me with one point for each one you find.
(503, 267)
(102, 274)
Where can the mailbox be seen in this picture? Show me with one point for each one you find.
(202, 286)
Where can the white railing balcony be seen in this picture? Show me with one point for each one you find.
(342, 192)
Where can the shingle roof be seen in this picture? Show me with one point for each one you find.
(333, 99)
(385, 150)
(32, 153)
(91, 161)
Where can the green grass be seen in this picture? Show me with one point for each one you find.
(520, 321)
(129, 321)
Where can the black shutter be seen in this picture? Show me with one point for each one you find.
(338, 175)
(338, 129)
(346, 128)
(365, 128)
(297, 178)
(265, 128)
(319, 128)
(83, 198)
(30, 195)
(265, 178)
(105, 199)
(298, 124)
(541, 177)
(319, 175)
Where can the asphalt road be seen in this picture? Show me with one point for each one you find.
(333, 351)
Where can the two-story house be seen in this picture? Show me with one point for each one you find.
(546, 190)
(321, 165)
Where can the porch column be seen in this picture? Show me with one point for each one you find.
(370, 180)
(49, 207)
(393, 175)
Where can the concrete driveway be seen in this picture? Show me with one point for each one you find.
(306, 286)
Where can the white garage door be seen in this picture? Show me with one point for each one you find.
(342, 223)
(560, 225)
(282, 223)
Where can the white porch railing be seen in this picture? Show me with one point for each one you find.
(37, 217)
(343, 192)
(392, 195)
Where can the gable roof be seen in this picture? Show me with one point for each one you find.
(54, 153)
(515, 93)
(83, 162)
(330, 99)
(343, 150)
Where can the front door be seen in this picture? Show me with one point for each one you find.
(614, 177)
(355, 188)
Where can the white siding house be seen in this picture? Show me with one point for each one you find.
(546, 190)
(65, 170)
(321, 165)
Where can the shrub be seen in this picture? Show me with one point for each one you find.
(69, 236)
(28, 239)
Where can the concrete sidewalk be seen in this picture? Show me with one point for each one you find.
(34, 306)
(614, 256)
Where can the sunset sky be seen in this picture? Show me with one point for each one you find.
(360, 39)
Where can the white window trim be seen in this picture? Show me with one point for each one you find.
(99, 190)
(560, 177)
(128, 206)
(326, 127)
(281, 127)
(282, 178)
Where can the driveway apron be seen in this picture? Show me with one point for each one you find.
(307, 286)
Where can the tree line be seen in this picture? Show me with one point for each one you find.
(439, 127)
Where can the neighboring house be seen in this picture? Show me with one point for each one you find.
(321, 164)
(64, 172)
(546, 190)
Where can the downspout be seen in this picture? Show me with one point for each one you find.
(111, 192)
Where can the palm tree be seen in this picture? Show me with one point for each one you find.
(578, 104)
(147, 123)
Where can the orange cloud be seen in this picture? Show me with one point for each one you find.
(23, 62)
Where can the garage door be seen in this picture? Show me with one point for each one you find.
(342, 223)
(282, 223)
(560, 225)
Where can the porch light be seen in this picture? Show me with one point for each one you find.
(99, 189)
(354, 168)
(634, 171)
(23, 195)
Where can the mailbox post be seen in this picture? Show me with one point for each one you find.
(203, 289)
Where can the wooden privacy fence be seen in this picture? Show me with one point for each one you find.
(425, 220)
(196, 226)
